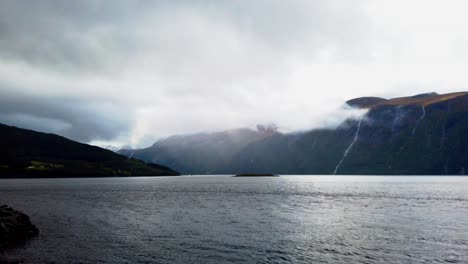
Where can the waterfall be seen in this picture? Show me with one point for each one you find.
(131, 155)
(415, 126)
(399, 115)
(315, 142)
(356, 136)
(419, 120)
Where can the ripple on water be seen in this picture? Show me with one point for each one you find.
(223, 219)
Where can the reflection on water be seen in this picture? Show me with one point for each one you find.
(210, 219)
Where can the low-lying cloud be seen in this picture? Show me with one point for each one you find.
(129, 72)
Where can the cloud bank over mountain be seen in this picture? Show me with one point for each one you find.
(133, 71)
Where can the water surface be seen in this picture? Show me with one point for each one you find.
(219, 219)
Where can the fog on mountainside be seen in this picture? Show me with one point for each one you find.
(421, 134)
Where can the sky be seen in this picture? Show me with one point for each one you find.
(129, 72)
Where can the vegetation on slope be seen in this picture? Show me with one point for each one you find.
(27, 153)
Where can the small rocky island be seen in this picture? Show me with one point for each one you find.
(15, 228)
(256, 175)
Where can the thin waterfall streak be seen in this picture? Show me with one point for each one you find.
(315, 142)
(419, 120)
(356, 136)
(414, 129)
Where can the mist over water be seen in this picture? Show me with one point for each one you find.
(216, 219)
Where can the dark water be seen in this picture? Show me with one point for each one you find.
(300, 219)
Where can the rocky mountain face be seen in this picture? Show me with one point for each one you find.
(27, 153)
(422, 134)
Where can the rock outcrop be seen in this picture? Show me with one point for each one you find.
(15, 228)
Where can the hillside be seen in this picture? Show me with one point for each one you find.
(202, 153)
(27, 153)
(420, 99)
(422, 134)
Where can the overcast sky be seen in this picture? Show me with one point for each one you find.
(129, 72)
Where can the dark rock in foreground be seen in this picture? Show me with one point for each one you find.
(256, 175)
(15, 228)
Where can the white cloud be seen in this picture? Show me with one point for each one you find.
(137, 72)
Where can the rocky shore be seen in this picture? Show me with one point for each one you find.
(15, 228)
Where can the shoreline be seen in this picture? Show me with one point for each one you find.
(15, 228)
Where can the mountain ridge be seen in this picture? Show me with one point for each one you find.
(421, 134)
(200, 153)
(419, 99)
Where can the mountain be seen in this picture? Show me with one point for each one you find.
(27, 153)
(202, 153)
(424, 134)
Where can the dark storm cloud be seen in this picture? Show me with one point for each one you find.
(92, 34)
(72, 37)
(60, 34)
(74, 118)
(60, 43)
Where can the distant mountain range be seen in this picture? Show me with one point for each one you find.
(203, 153)
(27, 153)
(424, 134)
